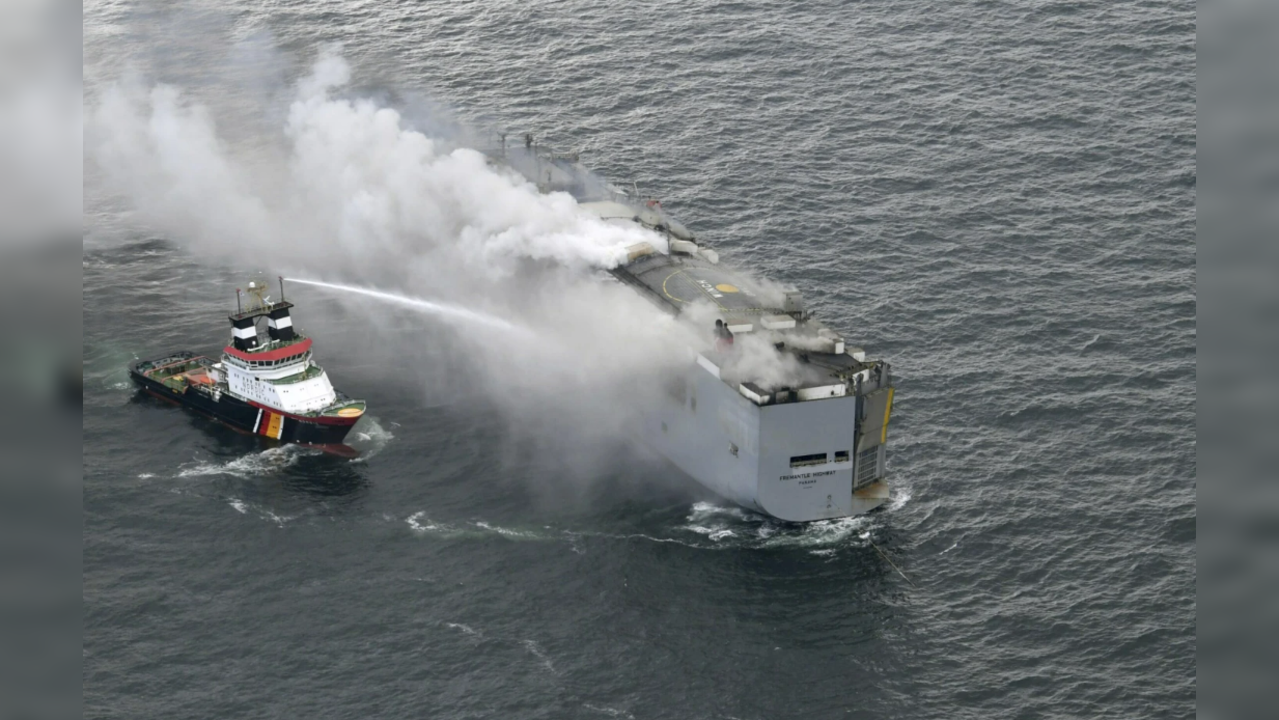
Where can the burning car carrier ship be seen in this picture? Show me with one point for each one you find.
(265, 384)
(811, 450)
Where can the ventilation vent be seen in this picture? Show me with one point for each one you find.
(867, 465)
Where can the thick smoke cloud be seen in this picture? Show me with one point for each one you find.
(348, 181)
(344, 190)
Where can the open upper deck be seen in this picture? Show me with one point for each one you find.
(678, 280)
(691, 274)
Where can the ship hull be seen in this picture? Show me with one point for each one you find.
(753, 455)
(248, 417)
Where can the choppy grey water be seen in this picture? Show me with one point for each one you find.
(996, 196)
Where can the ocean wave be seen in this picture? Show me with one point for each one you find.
(720, 528)
(611, 712)
(540, 654)
(370, 438)
(734, 527)
(268, 461)
(901, 494)
(244, 508)
(467, 629)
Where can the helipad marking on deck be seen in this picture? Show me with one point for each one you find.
(714, 292)
(667, 292)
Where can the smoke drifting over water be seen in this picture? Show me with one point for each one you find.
(345, 190)
(345, 180)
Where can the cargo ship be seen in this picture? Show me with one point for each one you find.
(808, 446)
(266, 382)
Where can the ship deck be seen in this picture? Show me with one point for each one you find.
(679, 280)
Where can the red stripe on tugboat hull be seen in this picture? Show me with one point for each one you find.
(287, 351)
(320, 420)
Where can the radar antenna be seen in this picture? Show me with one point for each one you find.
(258, 297)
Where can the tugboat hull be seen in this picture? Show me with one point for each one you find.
(247, 417)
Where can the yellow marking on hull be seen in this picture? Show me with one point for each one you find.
(276, 427)
(888, 411)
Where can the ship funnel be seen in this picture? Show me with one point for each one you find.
(244, 330)
(279, 325)
(244, 334)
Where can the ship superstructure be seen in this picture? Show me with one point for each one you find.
(266, 383)
(801, 440)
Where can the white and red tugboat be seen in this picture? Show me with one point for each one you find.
(264, 384)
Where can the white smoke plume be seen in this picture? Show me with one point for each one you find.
(355, 185)
(345, 191)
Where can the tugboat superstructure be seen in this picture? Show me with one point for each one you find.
(265, 384)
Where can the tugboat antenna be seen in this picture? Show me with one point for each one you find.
(281, 287)
(238, 309)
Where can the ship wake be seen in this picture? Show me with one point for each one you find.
(707, 526)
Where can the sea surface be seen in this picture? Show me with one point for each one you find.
(997, 197)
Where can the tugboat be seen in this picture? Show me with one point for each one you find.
(264, 385)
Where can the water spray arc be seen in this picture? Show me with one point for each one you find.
(444, 310)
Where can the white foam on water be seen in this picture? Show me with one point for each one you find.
(704, 510)
(540, 654)
(573, 535)
(900, 496)
(505, 532)
(277, 519)
(611, 712)
(371, 440)
(418, 522)
(268, 461)
(244, 507)
(734, 527)
(464, 628)
(713, 533)
(144, 476)
(822, 533)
